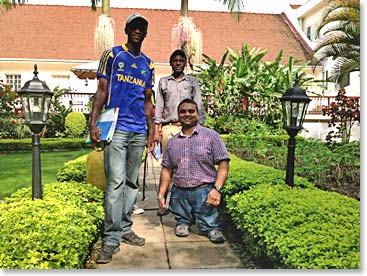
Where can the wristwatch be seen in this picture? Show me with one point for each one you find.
(217, 188)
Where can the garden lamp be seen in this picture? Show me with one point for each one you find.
(294, 103)
(36, 98)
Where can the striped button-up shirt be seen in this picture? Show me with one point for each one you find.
(193, 158)
(171, 92)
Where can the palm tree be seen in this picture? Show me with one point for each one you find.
(187, 37)
(104, 35)
(339, 33)
(10, 4)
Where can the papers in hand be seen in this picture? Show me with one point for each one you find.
(106, 122)
(157, 152)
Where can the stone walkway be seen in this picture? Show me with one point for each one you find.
(162, 249)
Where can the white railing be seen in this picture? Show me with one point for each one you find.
(77, 101)
(317, 102)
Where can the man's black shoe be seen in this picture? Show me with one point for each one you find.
(105, 256)
(132, 239)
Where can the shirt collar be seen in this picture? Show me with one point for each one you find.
(196, 131)
(124, 46)
(171, 77)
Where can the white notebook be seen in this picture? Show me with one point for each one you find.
(157, 151)
(106, 122)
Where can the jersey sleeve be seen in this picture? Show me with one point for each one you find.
(105, 65)
(151, 82)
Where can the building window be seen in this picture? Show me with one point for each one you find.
(308, 33)
(14, 81)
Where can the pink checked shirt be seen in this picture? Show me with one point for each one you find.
(193, 158)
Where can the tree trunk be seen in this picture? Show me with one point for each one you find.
(104, 34)
(185, 8)
(106, 7)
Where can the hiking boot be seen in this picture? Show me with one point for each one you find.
(132, 239)
(182, 230)
(216, 236)
(105, 256)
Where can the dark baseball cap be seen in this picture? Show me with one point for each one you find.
(135, 16)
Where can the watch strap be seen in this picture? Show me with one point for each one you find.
(217, 188)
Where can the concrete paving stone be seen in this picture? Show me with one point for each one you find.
(150, 202)
(148, 188)
(152, 255)
(148, 226)
(189, 255)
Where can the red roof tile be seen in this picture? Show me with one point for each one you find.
(67, 33)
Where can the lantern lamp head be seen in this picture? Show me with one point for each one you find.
(36, 98)
(294, 102)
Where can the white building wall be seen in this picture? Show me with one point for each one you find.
(312, 19)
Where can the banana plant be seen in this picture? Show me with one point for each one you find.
(248, 86)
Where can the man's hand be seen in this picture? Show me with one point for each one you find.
(213, 197)
(99, 99)
(157, 133)
(157, 137)
(162, 202)
(150, 143)
(94, 133)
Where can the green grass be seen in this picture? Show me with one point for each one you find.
(16, 168)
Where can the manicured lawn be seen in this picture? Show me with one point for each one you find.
(16, 168)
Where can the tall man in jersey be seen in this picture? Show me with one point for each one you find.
(125, 80)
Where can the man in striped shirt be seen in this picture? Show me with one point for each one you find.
(189, 162)
(171, 91)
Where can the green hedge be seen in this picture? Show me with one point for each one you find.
(243, 175)
(55, 232)
(47, 144)
(74, 170)
(300, 227)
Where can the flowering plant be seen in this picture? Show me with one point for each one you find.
(344, 113)
(10, 111)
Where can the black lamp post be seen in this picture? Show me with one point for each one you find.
(36, 97)
(294, 102)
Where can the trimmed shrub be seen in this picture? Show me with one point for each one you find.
(299, 228)
(74, 170)
(75, 124)
(56, 232)
(243, 175)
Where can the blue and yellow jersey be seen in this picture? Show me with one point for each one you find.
(128, 77)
